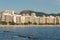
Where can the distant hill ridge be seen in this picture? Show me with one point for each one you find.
(38, 13)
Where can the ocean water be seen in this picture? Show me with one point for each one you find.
(40, 33)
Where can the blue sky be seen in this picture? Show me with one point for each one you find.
(47, 6)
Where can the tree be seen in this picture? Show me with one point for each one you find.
(35, 23)
(29, 22)
(41, 23)
(12, 23)
(25, 23)
(3, 22)
(57, 23)
(17, 23)
(21, 23)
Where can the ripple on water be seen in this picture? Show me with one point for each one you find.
(42, 33)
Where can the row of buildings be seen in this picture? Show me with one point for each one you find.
(10, 16)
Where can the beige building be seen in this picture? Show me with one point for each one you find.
(18, 18)
(22, 19)
(27, 19)
(7, 15)
(33, 15)
(57, 19)
(50, 19)
(36, 20)
(43, 19)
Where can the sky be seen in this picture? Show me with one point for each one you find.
(47, 6)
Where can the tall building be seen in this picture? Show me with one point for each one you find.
(27, 18)
(36, 20)
(10, 16)
(0, 16)
(33, 15)
(50, 19)
(43, 19)
(47, 19)
(57, 19)
(22, 19)
(18, 18)
(7, 15)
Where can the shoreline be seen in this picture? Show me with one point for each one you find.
(28, 25)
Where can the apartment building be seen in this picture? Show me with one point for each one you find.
(7, 15)
(42, 19)
(36, 20)
(33, 15)
(50, 19)
(18, 18)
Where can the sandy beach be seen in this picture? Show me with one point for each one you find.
(29, 25)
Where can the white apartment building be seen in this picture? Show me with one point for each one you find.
(18, 18)
(33, 15)
(57, 19)
(50, 19)
(36, 20)
(43, 19)
(7, 15)
(27, 19)
(22, 19)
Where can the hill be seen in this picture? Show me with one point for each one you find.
(38, 13)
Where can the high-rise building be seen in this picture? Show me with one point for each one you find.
(36, 20)
(27, 19)
(57, 19)
(43, 19)
(7, 15)
(50, 19)
(18, 18)
(33, 15)
(22, 19)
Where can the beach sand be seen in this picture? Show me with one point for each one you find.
(29, 25)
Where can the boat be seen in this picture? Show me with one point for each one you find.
(32, 37)
(6, 31)
(22, 36)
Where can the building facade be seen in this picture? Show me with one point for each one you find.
(7, 16)
(10, 16)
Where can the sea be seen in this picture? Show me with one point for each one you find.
(30, 33)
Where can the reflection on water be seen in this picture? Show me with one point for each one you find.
(40, 33)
